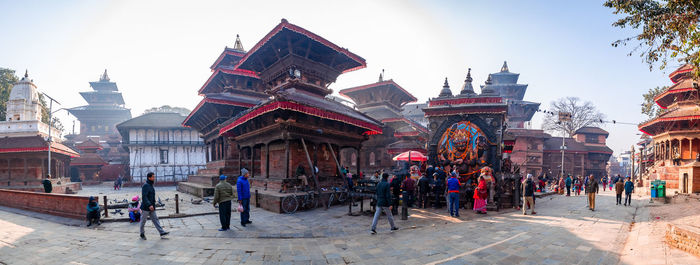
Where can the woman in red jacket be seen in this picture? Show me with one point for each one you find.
(480, 196)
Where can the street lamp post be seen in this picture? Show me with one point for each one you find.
(51, 101)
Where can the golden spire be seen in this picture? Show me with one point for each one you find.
(238, 45)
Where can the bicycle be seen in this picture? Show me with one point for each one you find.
(340, 194)
(291, 203)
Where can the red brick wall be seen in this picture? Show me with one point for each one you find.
(71, 206)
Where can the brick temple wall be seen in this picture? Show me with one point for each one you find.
(71, 206)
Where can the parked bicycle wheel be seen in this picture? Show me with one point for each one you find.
(290, 204)
(342, 196)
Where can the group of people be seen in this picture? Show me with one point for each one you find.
(435, 180)
(591, 186)
(223, 196)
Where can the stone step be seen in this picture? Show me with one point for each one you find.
(203, 179)
(196, 189)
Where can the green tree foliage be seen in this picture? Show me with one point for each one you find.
(582, 114)
(167, 108)
(649, 106)
(669, 29)
(7, 79)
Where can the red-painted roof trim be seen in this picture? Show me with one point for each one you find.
(390, 81)
(37, 149)
(402, 134)
(680, 118)
(216, 101)
(677, 72)
(288, 105)
(669, 92)
(447, 112)
(284, 24)
(239, 72)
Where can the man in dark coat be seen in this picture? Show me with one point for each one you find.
(395, 186)
(591, 189)
(148, 205)
(47, 184)
(423, 190)
(439, 189)
(383, 204)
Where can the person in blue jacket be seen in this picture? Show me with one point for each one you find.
(243, 190)
(629, 188)
(93, 212)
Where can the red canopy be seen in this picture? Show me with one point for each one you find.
(413, 155)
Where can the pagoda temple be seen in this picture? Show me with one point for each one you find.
(89, 164)
(506, 85)
(227, 92)
(98, 121)
(675, 134)
(25, 145)
(384, 101)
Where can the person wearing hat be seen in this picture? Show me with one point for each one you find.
(223, 194)
(243, 189)
(93, 212)
(528, 194)
(134, 210)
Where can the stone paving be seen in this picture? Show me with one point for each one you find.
(563, 232)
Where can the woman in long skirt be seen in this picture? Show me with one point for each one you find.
(480, 196)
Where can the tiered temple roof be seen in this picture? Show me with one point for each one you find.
(680, 100)
(105, 107)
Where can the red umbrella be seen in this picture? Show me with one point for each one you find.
(410, 156)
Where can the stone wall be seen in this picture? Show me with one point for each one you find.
(683, 237)
(71, 206)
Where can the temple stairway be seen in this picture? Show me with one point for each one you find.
(202, 184)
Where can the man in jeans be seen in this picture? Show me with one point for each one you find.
(383, 204)
(453, 194)
(148, 205)
(629, 188)
(243, 189)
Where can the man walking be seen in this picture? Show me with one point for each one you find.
(223, 194)
(148, 206)
(591, 189)
(619, 187)
(383, 204)
(453, 194)
(568, 185)
(629, 188)
(243, 189)
(528, 195)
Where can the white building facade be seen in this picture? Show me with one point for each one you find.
(158, 143)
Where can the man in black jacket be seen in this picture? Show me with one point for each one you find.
(383, 204)
(591, 189)
(148, 205)
(423, 190)
(395, 186)
(47, 184)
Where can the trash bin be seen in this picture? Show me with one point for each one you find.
(661, 191)
(653, 191)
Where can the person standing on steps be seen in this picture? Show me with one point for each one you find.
(629, 188)
(243, 189)
(223, 194)
(619, 187)
(383, 204)
(591, 189)
(148, 206)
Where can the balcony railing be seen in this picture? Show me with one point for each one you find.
(164, 143)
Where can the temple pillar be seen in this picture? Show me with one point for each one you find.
(286, 158)
(267, 160)
(252, 161)
(240, 159)
(359, 167)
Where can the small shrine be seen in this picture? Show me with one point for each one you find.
(675, 137)
(27, 144)
(466, 129)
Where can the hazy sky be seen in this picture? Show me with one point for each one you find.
(159, 52)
